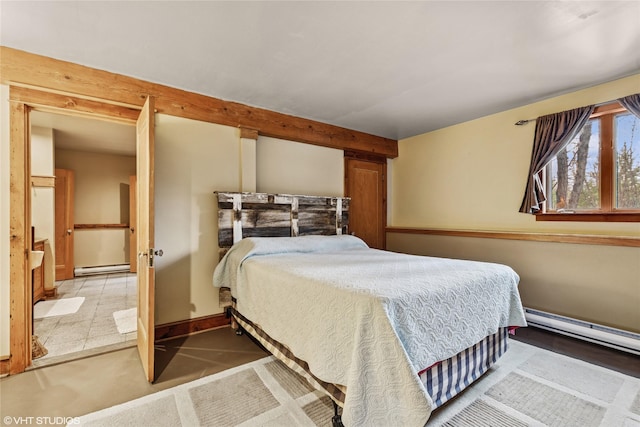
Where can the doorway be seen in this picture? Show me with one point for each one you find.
(21, 248)
(91, 304)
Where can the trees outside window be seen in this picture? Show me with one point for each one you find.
(599, 170)
(627, 170)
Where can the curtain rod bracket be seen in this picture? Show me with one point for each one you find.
(524, 122)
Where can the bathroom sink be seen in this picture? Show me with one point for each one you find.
(35, 260)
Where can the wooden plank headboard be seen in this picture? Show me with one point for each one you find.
(278, 215)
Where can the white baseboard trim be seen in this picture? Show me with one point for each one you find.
(102, 269)
(599, 334)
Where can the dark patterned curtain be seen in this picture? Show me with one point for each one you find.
(631, 103)
(553, 133)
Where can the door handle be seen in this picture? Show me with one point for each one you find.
(153, 253)
(69, 231)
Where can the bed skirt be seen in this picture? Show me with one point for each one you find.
(446, 379)
(443, 381)
(335, 391)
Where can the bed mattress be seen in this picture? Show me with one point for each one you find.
(347, 310)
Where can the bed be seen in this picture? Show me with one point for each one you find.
(388, 336)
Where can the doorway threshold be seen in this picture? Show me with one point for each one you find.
(63, 358)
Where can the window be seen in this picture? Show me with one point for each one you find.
(596, 177)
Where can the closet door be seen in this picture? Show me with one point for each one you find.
(64, 185)
(145, 237)
(366, 185)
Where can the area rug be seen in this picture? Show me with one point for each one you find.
(57, 307)
(126, 320)
(527, 387)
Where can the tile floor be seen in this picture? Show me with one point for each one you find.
(93, 325)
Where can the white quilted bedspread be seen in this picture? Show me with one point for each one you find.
(369, 319)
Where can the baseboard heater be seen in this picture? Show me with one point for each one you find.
(604, 335)
(101, 269)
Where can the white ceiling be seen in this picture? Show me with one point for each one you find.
(83, 134)
(389, 68)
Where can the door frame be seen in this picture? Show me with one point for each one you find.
(22, 101)
(20, 292)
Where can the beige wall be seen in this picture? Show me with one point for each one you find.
(42, 151)
(293, 168)
(101, 196)
(471, 176)
(43, 198)
(194, 159)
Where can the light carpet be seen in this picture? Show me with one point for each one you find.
(126, 320)
(57, 307)
(527, 387)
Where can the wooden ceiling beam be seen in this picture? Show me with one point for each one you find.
(59, 103)
(31, 70)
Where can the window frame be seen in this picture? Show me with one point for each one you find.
(607, 212)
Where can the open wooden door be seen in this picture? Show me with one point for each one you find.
(64, 188)
(145, 236)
